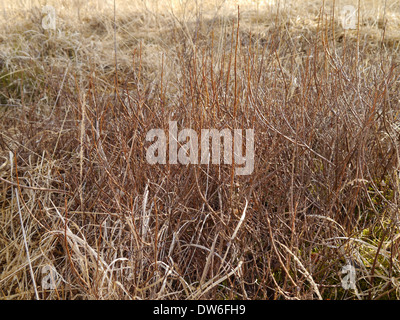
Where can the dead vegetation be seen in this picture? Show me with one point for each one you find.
(78, 195)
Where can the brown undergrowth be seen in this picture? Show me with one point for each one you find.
(78, 195)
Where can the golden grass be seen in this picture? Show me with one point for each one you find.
(78, 195)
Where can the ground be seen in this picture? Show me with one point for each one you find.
(84, 215)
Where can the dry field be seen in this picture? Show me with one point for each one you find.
(84, 215)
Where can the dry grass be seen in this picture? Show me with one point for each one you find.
(77, 193)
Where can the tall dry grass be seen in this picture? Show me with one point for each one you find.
(78, 195)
